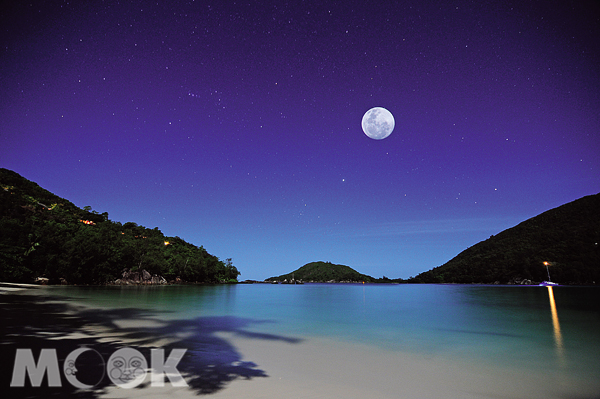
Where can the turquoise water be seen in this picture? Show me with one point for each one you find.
(510, 326)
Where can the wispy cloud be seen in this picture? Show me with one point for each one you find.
(417, 227)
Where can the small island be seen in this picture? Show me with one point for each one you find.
(325, 272)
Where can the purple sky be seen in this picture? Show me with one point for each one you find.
(237, 126)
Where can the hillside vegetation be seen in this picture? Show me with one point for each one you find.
(43, 235)
(567, 237)
(323, 272)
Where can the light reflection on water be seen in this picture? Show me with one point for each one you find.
(556, 325)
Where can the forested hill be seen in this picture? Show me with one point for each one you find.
(568, 237)
(43, 235)
(323, 272)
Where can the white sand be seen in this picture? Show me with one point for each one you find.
(323, 369)
(14, 287)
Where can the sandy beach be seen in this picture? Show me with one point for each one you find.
(323, 369)
(244, 364)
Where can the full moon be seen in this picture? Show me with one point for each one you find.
(378, 123)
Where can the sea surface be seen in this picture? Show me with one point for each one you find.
(527, 327)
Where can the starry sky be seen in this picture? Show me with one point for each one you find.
(236, 125)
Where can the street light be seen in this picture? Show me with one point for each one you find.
(547, 271)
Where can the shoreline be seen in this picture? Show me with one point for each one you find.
(326, 368)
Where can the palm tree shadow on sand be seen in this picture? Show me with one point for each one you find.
(37, 322)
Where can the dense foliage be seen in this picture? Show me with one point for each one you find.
(323, 272)
(43, 235)
(567, 237)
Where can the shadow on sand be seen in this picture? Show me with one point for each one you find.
(36, 322)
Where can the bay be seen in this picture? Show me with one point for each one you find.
(529, 328)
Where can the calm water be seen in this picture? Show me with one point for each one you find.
(529, 327)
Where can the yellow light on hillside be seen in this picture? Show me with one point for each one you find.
(167, 242)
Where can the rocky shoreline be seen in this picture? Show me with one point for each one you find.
(139, 278)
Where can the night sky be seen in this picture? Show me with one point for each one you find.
(237, 125)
